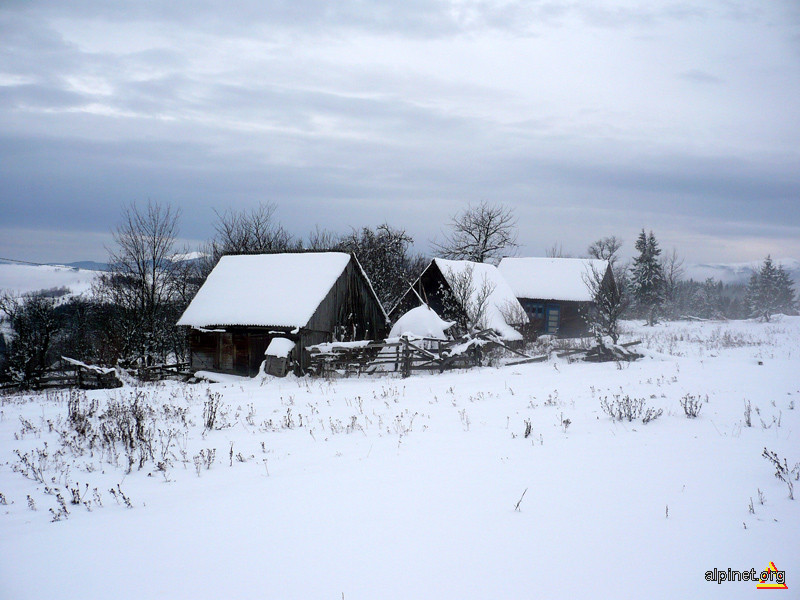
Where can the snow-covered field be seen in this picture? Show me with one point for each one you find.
(390, 488)
(22, 279)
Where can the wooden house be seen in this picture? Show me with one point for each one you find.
(554, 291)
(441, 287)
(249, 300)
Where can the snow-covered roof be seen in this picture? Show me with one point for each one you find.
(501, 300)
(421, 321)
(550, 278)
(267, 290)
(280, 347)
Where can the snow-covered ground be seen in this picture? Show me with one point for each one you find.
(392, 488)
(22, 279)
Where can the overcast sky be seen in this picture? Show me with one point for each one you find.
(590, 118)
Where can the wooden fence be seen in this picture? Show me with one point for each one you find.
(158, 372)
(68, 372)
(405, 355)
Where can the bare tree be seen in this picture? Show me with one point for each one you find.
(606, 248)
(186, 276)
(385, 254)
(140, 281)
(467, 299)
(672, 266)
(246, 231)
(556, 251)
(610, 302)
(322, 239)
(479, 233)
(34, 323)
(255, 230)
(514, 315)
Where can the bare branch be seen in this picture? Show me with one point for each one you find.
(479, 233)
(606, 248)
(470, 298)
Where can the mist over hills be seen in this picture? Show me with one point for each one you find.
(738, 272)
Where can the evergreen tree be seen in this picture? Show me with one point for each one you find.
(786, 294)
(647, 277)
(707, 301)
(770, 291)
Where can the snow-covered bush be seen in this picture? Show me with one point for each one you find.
(629, 409)
(691, 405)
(782, 470)
(210, 408)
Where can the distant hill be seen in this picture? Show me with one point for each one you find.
(89, 265)
(738, 272)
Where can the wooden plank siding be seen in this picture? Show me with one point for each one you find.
(570, 319)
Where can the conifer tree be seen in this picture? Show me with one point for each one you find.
(786, 294)
(770, 291)
(647, 277)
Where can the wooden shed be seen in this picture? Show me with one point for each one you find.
(554, 291)
(306, 297)
(435, 286)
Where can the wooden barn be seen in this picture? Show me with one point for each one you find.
(435, 286)
(554, 291)
(250, 301)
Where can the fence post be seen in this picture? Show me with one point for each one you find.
(406, 359)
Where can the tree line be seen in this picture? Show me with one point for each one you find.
(130, 317)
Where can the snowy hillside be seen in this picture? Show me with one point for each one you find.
(22, 279)
(738, 272)
(508, 482)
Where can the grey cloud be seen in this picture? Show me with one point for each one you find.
(39, 96)
(351, 144)
(699, 76)
(423, 18)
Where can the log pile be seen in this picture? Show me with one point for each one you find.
(611, 352)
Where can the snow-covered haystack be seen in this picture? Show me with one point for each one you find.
(421, 322)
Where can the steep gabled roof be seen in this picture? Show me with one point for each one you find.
(500, 300)
(267, 290)
(551, 278)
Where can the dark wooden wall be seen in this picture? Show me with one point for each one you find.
(434, 289)
(571, 322)
(238, 351)
(204, 350)
(350, 311)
